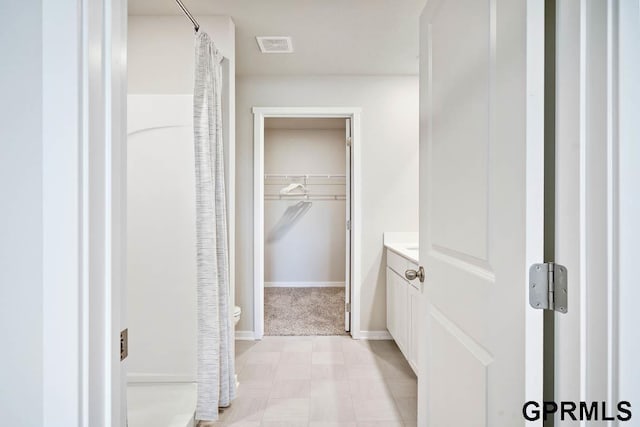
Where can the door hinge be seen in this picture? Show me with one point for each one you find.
(348, 224)
(548, 287)
(124, 344)
(347, 307)
(348, 140)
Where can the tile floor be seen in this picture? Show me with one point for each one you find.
(321, 382)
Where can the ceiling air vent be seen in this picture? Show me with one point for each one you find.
(269, 44)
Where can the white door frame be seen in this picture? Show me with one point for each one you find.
(259, 115)
(628, 207)
(534, 250)
(84, 115)
(596, 345)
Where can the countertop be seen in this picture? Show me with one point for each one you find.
(404, 244)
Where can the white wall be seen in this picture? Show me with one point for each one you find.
(161, 190)
(21, 376)
(310, 250)
(161, 50)
(161, 240)
(389, 169)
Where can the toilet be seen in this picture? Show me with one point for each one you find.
(237, 311)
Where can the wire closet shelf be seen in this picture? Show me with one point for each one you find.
(312, 186)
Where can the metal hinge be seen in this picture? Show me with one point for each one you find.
(548, 287)
(348, 224)
(124, 344)
(347, 307)
(348, 141)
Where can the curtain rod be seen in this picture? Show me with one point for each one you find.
(188, 14)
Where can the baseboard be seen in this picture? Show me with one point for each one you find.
(245, 336)
(133, 378)
(304, 284)
(373, 335)
(362, 335)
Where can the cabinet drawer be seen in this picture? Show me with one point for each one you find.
(400, 264)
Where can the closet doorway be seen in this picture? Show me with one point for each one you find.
(305, 258)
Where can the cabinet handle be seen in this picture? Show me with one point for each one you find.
(413, 274)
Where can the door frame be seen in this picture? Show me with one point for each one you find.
(596, 201)
(84, 179)
(259, 115)
(535, 198)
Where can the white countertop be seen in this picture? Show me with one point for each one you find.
(404, 244)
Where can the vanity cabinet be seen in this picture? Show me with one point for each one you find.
(414, 324)
(397, 302)
(403, 306)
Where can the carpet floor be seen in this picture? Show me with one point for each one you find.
(304, 311)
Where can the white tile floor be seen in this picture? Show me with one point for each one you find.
(321, 382)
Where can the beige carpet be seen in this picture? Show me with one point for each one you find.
(304, 311)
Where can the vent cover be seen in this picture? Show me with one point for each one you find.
(270, 44)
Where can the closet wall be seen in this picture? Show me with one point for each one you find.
(305, 240)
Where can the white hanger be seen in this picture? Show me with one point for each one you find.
(289, 188)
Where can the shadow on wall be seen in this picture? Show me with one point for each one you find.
(291, 216)
(375, 280)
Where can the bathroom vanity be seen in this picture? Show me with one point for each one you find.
(403, 295)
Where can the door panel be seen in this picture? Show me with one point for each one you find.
(459, 89)
(474, 220)
(347, 264)
(461, 359)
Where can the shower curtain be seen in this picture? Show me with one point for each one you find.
(216, 373)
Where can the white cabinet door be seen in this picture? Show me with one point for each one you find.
(401, 309)
(414, 326)
(481, 211)
(391, 324)
(397, 309)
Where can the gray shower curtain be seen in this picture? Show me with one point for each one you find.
(216, 373)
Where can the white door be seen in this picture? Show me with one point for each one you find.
(481, 210)
(347, 263)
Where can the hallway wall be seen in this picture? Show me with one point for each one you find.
(389, 169)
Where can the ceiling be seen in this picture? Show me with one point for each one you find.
(330, 37)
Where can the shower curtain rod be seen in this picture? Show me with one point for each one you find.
(188, 14)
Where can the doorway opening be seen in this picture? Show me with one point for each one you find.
(305, 221)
